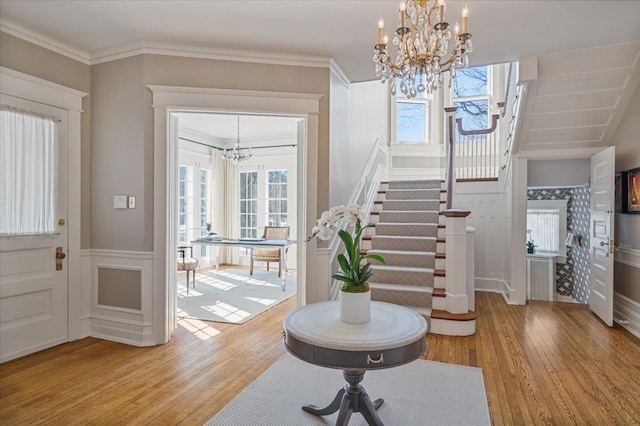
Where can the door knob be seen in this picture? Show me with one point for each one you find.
(602, 244)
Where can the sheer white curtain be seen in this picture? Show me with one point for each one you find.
(545, 229)
(28, 161)
(226, 202)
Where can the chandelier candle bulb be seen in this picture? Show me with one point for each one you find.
(380, 29)
(465, 14)
(403, 8)
(441, 5)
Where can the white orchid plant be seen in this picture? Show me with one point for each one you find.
(353, 274)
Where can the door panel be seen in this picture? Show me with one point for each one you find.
(602, 217)
(33, 293)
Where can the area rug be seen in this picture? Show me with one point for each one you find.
(421, 393)
(233, 296)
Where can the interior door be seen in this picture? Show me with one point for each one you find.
(601, 229)
(33, 291)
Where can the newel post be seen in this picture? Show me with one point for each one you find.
(457, 257)
(450, 145)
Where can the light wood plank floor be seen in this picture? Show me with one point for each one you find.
(544, 363)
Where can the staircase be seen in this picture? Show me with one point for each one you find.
(409, 233)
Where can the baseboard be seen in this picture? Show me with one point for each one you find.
(565, 299)
(487, 284)
(122, 331)
(626, 313)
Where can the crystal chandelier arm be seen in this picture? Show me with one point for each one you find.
(430, 12)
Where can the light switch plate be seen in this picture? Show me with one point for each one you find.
(132, 202)
(119, 201)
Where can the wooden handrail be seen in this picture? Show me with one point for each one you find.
(494, 124)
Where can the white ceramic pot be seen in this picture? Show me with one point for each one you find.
(355, 308)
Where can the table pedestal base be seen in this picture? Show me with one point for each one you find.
(352, 398)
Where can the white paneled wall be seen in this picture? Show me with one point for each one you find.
(488, 217)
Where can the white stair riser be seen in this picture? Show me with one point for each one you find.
(452, 328)
(439, 303)
(441, 263)
(442, 248)
(439, 282)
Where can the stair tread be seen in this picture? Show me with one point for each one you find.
(401, 287)
(400, 268)
(440, 314)
(404, 237)
(440, 273)
(408, 224)
(441, 256)
(439, 292)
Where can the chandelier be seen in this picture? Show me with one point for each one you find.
(422, 48)
(238, 155)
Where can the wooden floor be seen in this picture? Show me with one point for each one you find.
(546, 363)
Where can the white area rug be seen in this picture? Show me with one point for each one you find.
(421, 393)
(233, 296)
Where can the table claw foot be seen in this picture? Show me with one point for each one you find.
(368, 409)
(329, 409)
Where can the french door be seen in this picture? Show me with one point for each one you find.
(194, 210)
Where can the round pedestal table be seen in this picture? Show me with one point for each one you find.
(394, 336)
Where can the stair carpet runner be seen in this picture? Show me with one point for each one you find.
(406, 236)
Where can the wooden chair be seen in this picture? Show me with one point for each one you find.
(268, 254)
(187, 264)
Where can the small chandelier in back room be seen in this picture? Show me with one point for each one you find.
(422, 48)
(237, 154)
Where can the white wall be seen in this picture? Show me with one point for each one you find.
(562, 173)
(359, 116)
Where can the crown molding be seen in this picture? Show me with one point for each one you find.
(21, 31)
(339, 72)
(204, 52)
(38, 38)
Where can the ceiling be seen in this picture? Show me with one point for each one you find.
(255, 130)
(575, 101)
(344, 30)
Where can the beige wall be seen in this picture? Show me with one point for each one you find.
(174, 71)
(118, 155)
(123, 131)
(28, 58)
(627, 232)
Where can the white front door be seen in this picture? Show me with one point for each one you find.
(601, 230)
(33, 292)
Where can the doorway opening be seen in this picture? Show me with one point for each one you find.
(237, 187)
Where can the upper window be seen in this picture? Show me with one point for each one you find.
(471, 96)
(276, 198)
(412, 119)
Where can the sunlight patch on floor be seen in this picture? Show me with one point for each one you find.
(267, 302)
(250, 280)
(228, 312)
(202, 330)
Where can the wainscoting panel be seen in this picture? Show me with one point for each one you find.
(626, 312)
(488, 218)
(121, 295)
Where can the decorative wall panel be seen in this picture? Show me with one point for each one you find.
(581, 267)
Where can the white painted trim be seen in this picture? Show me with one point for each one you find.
(122, 254)
(25, 86)
(626, 313)
(21, 31)
(171, 99)
(559, 154)
(487, 284)
(34, 89)
(207, 52)
(339, 72)
(628, 256)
